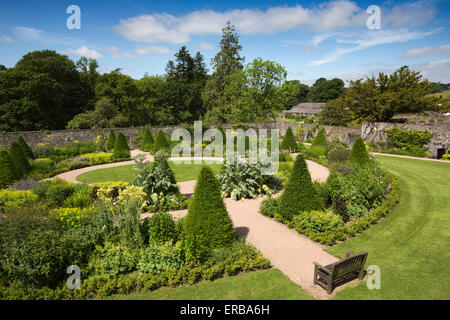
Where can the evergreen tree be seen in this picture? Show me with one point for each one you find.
(148, 141)
(160, 142)
(300, 194)
(207, 220)
(289, 142)
(25, 148)
(359, 156)
(320, 139)
(19, 159)
(111, 141)
(121, 148)
(7, 169)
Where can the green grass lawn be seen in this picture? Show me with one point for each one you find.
(260, 285)
(411, 245)
(182, 171)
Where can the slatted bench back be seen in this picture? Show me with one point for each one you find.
(348, 266)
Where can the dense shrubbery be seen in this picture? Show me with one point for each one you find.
(240, 179)
(8, 172)
(111, 141)
(359, 156)
(148, 141)
(289, 143)
(161, 142)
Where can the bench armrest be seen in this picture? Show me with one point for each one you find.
(348, 254)
(322, 268)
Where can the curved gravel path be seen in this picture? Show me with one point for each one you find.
(287, 250)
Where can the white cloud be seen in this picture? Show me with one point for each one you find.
(168, 28)
(117, 53)
(427, 51)
(368, 40)
(6, 39)
(28, 34)
(437, 71)
(85, 52)
(206, 46)
(152, 49)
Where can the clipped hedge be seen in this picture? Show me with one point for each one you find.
(320, 139)
(148, 141)
(7, 169)
(19, 159)
(207, 220)
(160, 142)
(289, 142)
(359, 156)
(111, 141)
(121, 148)
(300, 194)
(25, 148)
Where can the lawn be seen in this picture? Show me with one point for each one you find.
(259, 285)
(182, 171)
(411, 245)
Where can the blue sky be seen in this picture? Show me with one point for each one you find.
(311, 39)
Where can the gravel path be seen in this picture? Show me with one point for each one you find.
(286, 249)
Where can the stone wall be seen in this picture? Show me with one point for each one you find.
(372, 132)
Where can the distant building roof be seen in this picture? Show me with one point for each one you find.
(309, 108)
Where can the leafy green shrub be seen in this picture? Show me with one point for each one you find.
(72, 217)
(300, 132)
(10, 198)
(19, 159)
(44, 150)
(338, 156)
(35, 252)
(54, 192)
(112, 260)
(161, 228)
(111, 141)
(7, 169)
(408, 138)
(269, 207)
(300, 194)
(320, 139)
(317, 222)
(98, 158)
(207, 219)
(160, 142)
(240, 179)
(289, 142)
(121, 148)
(359, 156)
(446, 157)
(25, 148)
(111, 184)
(148, 142)
(79, 199)
(318, 151)
(42, 167)
(157, 259)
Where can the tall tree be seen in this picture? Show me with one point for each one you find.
(325, 90)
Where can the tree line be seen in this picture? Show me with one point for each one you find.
(48, 91)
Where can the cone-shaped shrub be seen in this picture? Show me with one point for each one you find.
(19, 159)
(111, 141)
(207, 220)
(121, 148)
(25, 148)
(147, 142)
(289, 142)
(300, 194)
(320, 139)
(359, 155)
(7, 169)
(160, 142)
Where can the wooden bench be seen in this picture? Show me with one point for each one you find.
(332, 275)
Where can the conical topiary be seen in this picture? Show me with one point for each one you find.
(25, 148)
(147, 142)
(19, 159)
(359, 155)
(121, 148)
(300, 194)
(320, 139)
(160, 142)
(7, 169)
(289, 142)
(111, 141)
(207, 220)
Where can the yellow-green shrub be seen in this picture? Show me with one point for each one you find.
(72, 217)
(10, 198)
(98, 158)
